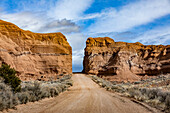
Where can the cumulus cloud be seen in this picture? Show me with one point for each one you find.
(64, 26)
(130, 16)
(63, 22)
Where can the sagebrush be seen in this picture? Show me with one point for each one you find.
(158, 97)
(32, 91)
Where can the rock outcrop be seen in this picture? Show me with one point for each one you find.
(121, 61)
(34, 55)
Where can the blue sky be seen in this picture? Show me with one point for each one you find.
(146, 21)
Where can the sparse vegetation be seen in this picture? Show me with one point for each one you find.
(10, 78)
(150, 91)
(32, 91)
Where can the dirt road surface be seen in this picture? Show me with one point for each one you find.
(84, 97)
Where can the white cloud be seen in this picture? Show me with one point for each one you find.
(25, 20)
(90, 16)
(78, 57)
(77, 40)
(33, 22)
(129, 16)
(159, 35)
(36, 15)
(69, 9)
(78, 43)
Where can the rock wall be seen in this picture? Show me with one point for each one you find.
(121, 61)
(34, 55)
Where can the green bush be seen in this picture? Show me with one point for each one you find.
(10, 78)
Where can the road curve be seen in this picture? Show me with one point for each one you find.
(84, 97)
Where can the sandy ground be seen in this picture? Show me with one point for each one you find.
(85, 97)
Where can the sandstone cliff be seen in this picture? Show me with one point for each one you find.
(34, 55)
(120, 61)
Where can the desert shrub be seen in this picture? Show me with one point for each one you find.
(167, 101)
(143, 91)
(32, 91)
(10, 77)
(153, 96)
(23, 97)
(4, 87)
(68, 82)
(32, 97)
(162, 96)
(102, 83)
(65, 77)
(53, 92)
(151, 93)
(45, 92)
(107, 84)
(59, 89)
(7, 98)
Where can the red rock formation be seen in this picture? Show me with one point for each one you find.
(34, 55)
(122, 61)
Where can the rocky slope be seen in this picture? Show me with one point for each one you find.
(34, 55)
(123, 61)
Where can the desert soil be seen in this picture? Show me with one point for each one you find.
(85, 97)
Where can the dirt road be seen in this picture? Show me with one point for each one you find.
(84, 97)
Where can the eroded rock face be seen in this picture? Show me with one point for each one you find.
(120, 61)
(34, 55)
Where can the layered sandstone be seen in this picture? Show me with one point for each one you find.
(123, 61)
(34, 55)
